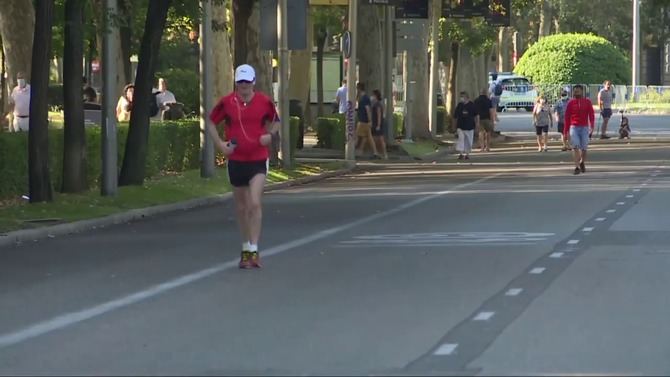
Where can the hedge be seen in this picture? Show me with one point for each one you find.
(173, 146)
(574, 58)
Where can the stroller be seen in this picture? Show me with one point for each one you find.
(624, 127)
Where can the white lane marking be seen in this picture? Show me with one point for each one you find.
(445, 349)
(601, 219)
(537, 270)
(644, 184)
(588, 229)
(73, 318)
(654, 175)
(446, 239)
(573, 242)
(514, 292)
(556, 255)
(484, 316)
(630, 196)
(620, 203)
(636, 190)
(611, 210)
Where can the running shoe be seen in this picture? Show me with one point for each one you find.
(245, 260)
(255, 260)
(577, 171)
(582, 167)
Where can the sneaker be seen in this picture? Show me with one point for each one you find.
(545, 149)
(467, 157)
(245, 260)
(604, 137)
(564, 149)
(460, 156)
(577, 171)
(582, 167)
(256, 260)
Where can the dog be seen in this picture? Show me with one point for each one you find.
(624, 128)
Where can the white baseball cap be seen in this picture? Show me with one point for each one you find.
(245, 72)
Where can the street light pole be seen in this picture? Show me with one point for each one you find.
(434, 26)
(350, 152)
(636, 44)
(206, 143)
(110, 170)
(282, 24)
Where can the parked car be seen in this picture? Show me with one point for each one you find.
(518, 92)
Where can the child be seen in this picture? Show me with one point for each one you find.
(624, 128)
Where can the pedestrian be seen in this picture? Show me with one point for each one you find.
(579, 123)
(379, 122)
(495, 91)
(250, 122)
(542, 119)
(559, 117)
(364, 126)
(19, 104)
(465, 118)
(605, 98)
(125, 104)
(341, 98)
(169, 108)
(486, 113)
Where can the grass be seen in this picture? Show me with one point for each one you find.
(420, 148)
(18, 214)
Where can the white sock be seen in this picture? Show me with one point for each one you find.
(253, 248)
(246, 246)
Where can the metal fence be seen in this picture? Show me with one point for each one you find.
(622, 94)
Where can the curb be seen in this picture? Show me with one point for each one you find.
(24, 235)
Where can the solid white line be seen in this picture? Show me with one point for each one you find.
(537, 270)
(556, 255)
(588, 229)
(514, 292)
(573, 242)
(445, 349)
(601, 219)
(73, 318)
(484, 316)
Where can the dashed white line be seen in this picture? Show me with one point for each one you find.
(611, 210)
(573, 242)
(620, 203)
(636, 190)
(446, 349)
(556, 255)
(644, 184)
(601, 219)
(514, 292)
(588, 229)
(630, 196)
(537, 270)
(484, 316)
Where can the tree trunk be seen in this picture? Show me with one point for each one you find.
(452, 81)
(125, 33)
(246, 14)
(369, 50)
(222, 54)
(242, 10)
(300, 68)
(38, 134)
(545, 19)
(18, 46)
(74, 148)
(134, 161)
(121, 80)
(505, 49)
(3, 86)
(320, 45)
(417, 71)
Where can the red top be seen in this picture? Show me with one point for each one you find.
(245, 123)
(579, 113)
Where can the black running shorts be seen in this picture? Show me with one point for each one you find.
(240, 173)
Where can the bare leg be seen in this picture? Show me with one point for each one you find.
(546, 139)
(255, 211)
(241, 196)
(382, 145)
(371, 143)
(604, 127)
(539, 142)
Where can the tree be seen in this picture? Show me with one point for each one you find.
(369, 50)
(415, 69)
(246, 18)
(74, 148)
(17, 15)
(38, 134)
(222, 57)
(134, 161)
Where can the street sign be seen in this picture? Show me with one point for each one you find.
(346, 44)
(465, 8)
(408, 34)
(412, 9)
(499, 13)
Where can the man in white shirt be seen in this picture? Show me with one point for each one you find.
(164, 98)
(341, 97)
(19, 103)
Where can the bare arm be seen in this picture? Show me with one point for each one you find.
(367, 110)
(379, 117)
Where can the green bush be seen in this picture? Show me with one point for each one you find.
(441, 119)
(398, 124)
(185, 85)
(173, 146)
(652, 95)
(574, 58)
(330, 131)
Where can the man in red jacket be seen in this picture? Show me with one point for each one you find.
(579, 123)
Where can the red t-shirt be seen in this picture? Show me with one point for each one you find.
(579, 112)
(245, 123)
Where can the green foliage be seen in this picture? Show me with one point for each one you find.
(55, 96)
(398, 124)
(295, 129)
(327, 20)
(173, 146)
(652, 95)
(185, 85)
(574, 58)
(330, 131)
(473, 34)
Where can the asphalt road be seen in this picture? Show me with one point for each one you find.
(505, 265)
(520, 123)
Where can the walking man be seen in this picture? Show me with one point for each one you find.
(364, 126)
(605, 98)
(465, 118)
(341, 97)
(579, 123)
(251, 121)
(486, 113)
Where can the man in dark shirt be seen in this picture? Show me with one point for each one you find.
(486, 114)
(465, 120)
(364, 126)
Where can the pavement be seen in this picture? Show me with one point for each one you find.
(504, 265)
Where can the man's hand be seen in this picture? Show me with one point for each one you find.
(226, 147)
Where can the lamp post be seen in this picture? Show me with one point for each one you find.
(636, 45)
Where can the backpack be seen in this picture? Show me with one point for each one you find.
(498, 89)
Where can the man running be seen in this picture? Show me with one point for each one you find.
(579, 117)
(605, 103)
(250, 120)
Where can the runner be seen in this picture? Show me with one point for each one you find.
(251, 121)
(559, 117)
(605, 103)
(579, 123)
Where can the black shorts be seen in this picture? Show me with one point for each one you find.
(381, 131)
(560, 127)
(539, 130)
(240, 173)
(606, 113)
